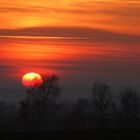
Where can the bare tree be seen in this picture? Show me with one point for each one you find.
(39, 101)
(78, 116)
(128, 105)
(102, 100)
(3, 116)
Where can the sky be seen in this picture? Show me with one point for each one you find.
(112, 15)
(82, 41)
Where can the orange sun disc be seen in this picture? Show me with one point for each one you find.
(32, 80)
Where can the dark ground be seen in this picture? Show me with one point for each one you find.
(74, 134)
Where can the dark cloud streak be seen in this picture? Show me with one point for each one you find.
(81, 33)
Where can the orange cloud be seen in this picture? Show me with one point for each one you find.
(113, 15)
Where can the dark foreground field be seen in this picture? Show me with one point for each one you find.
(74, 134)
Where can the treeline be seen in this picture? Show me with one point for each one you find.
(42, 110)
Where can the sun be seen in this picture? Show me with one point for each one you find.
(32, 79)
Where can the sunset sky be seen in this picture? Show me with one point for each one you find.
(80, 40)
(111, 15)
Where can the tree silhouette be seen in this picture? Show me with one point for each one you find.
(128, 106)
(102, 101)
(7, 117)
(39, 102)
(3, 117)
(78, 116)
(41, 110)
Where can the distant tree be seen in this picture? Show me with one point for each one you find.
(7, 117)
(39, 103)
(128, 106)
(3, 116)
(78, 116)
(102, 101)
(24, 115)
(11, 117)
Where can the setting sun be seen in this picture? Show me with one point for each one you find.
(31, 80)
